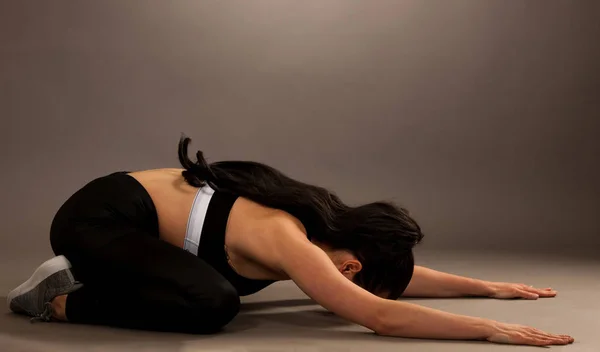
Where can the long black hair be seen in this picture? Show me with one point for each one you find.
(380, 234)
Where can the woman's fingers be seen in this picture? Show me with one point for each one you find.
(524, 335)
(555, 340)
(541, 340)
(508, 290)
(527, 294)
(547, 338)
(545, 292)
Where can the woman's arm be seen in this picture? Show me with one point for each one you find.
(431, 283)
(312, 270)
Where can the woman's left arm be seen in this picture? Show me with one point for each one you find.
(431, 283)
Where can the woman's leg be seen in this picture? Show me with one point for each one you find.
(135, 280)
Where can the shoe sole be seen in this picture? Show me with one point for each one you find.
(48, 268)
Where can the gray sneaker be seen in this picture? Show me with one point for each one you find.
(51, 279)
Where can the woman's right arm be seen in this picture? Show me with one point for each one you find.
(315, 274)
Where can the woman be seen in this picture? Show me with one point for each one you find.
(174, 249)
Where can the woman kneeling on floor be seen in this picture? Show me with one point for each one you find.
(174, 249)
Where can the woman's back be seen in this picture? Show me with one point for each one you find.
(250, 231)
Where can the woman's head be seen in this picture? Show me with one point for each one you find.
(372, 245)
(379, 236)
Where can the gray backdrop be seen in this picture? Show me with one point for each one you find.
(481, 117)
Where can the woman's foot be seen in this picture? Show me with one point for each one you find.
(59, 308)
(43, 295)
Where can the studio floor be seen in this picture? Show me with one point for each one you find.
(281, 318)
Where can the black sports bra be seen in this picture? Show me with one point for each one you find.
(212, 244)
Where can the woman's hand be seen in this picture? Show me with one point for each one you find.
(505, 290)
(524, 335)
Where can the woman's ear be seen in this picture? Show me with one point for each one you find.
(350, 268)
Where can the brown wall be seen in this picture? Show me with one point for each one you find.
(482, 117)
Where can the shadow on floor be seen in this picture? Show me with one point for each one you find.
(257, 306)
(255, 321)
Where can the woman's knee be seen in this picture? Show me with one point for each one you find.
(61, 232)
(216, 307)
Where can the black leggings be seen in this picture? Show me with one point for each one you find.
(108, 230)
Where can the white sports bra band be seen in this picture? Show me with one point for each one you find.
(196, 219)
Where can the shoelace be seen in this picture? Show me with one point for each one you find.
(46, 315)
